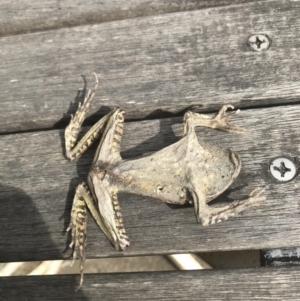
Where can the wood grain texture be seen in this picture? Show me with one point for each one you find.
(38, 184)
(241, 284)
(17, 17)
(152, 66)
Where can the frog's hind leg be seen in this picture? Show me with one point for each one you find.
(78, 223)
(208, 215)
(109, 147)
(219, 121)
(73, 150)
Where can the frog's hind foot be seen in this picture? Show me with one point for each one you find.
(83, 107)
(234, 208)
(78, 226)
(73, 129)
(74, 149)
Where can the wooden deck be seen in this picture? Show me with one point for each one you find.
(155, 59)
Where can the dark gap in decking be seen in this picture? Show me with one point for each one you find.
(244, 284)
(164, 115)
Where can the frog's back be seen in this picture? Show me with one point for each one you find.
(212, 167)
(217, 169)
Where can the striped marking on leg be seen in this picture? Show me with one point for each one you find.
(118, 132)
(124, 240)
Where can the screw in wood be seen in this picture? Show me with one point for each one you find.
(283, 169)
(259, 42)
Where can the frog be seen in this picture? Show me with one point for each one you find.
(188, 171)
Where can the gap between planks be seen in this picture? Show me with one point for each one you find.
(270, 284)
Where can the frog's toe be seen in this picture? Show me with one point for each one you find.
(257, 192)
(124, 242)
(217, 215)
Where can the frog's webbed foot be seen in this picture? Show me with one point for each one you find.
(110, 221)
(208, 215)
(74, 149)
(74, 127)
(218, 215)
(220, 121)
(78, 225)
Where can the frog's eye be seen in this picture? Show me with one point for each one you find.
(102, 173)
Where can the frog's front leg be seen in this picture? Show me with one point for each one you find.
(219, 121)
(209, 214)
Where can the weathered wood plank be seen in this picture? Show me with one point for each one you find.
(163, 63)
(17, 17)
(38, 184)
(241, 284)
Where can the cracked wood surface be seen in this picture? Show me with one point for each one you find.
(173, 61)
(241, 284)
(38, 185)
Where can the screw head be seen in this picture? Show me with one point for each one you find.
(259, 42)
(283, 169)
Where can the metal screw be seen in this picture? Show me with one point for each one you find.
(259, 42)
(283, 169)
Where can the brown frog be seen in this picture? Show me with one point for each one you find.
(186, 171)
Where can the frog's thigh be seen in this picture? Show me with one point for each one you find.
(111, 138)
